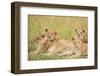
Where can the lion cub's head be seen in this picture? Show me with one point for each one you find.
(46, 36)
(40, 39)
(79, 37)
(51, 35)
(81, 34)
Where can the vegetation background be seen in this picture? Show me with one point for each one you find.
(63, 25)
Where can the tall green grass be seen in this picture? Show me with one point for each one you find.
(63, 25)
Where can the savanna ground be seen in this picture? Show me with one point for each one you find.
(63, 25)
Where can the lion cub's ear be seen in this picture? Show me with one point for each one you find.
(46, 29)
(75, 29)
(55, 33)
(72, 38)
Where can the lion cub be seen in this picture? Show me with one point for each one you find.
(80, 42)
(58, 46)
(44, 40)
(40, 41)
(61, 47)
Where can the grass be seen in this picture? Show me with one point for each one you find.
(64, 26)
(43, 56)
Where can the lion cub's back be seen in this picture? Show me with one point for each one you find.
(58, 46)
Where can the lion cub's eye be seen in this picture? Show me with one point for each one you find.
(43, 36)
(83, 31)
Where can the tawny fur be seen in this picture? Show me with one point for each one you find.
(49, 42)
